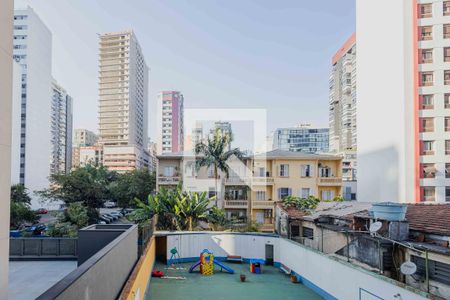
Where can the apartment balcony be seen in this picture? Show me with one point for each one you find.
(428, 198)
(262, 181)
(236, 204)
(169, 180)
(329, 181)
(235, 181)
(263, 204)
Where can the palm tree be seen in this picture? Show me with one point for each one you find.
(214, 153)
(191, 207)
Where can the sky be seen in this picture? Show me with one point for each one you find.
(273, 55)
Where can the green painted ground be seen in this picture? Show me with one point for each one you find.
(272, 284)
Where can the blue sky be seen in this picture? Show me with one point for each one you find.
(219, 54)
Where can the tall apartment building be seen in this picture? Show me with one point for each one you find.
(343, 98)
(170, 126)
(123, 100)
(6, 99)
(83, 138)
(256, 184)
(61, 130)
(32, 51)
(303, 138)
(403, 100)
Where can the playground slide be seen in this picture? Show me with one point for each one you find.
(194, 266)
(228, 269)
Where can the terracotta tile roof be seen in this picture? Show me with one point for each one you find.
(430, 218)
(339, 210)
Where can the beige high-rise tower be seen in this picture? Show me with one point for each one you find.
(123, 101)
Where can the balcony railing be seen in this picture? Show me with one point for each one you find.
(428, 198)
(238, 204)
(329, 181)
(235, 181)
(169, 179)
(428, 152)
(267, 227)
(262, 180)
(263, 204)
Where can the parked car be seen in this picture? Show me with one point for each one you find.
(42, 211)
(101, 222)
(36, 229)
(116, 213)
(113, 217)
(105, 219)
(109, 204)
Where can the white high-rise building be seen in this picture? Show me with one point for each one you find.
(170, 122)
(123, 102)
(343, 98)
(33, 141)
(84, 138)
(403, 100)
(61, 130)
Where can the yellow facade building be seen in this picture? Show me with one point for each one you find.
(258, 182)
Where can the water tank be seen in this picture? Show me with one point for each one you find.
(389, 211)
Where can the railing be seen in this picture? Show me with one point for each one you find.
(428, 152)
(262, 204)
(262, 180)
(428, 198)
(145, 233)
(267, 227)
(235, 180)
(169, 179)
(43, 248)
(236, 203)
(329, 180)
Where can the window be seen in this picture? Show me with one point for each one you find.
(306, 171)
(428, 171)
(428, 193)
(426, 56)
(427, 124)
(447, 100)
(261, 172)
(426, 79)
(447, 77)
(426, 33)
(446, 8)
(446, 54)
(169, 171)
(284, 170)
(437, 270)
(447, 170)
(425, 10)
(427, 101)
(284, 192)
(325, 172)
(327, 195)
(447, 193)
(295, 230)
(447, 147)
(446, 31)
(447, 123)
(305, 192)
(308, 233)
(211, 172)
(260, 195)
(427, 148)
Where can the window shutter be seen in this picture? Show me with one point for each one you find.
(279, 193)
(311, 170)
(278, 170)
(289, 192)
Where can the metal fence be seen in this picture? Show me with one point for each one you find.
(145, 233)
(41, 248)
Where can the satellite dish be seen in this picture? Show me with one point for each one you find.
(408, 268)
(374, 227)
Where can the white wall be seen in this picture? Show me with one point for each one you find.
(385, 101)
(6, 82)
(339, 279)
(221, 244)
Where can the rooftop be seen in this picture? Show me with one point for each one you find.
(429, 218)
(272, 284)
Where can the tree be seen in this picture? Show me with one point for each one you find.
(19, 194)
(214, 154)
(217, 218)
(176, 209)
(88, 185)
(20, 211)
(76, 214)
(135, 184)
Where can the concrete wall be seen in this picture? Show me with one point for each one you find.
(190, 246)
(6, 31)
(385, 101)
(138, 281)
(103, 275)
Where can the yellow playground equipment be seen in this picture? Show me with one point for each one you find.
(206, 263)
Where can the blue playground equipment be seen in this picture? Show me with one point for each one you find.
(174, 258)
(202, 261)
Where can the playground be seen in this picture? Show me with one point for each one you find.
(271, 284)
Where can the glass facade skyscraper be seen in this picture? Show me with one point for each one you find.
(302, 139)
